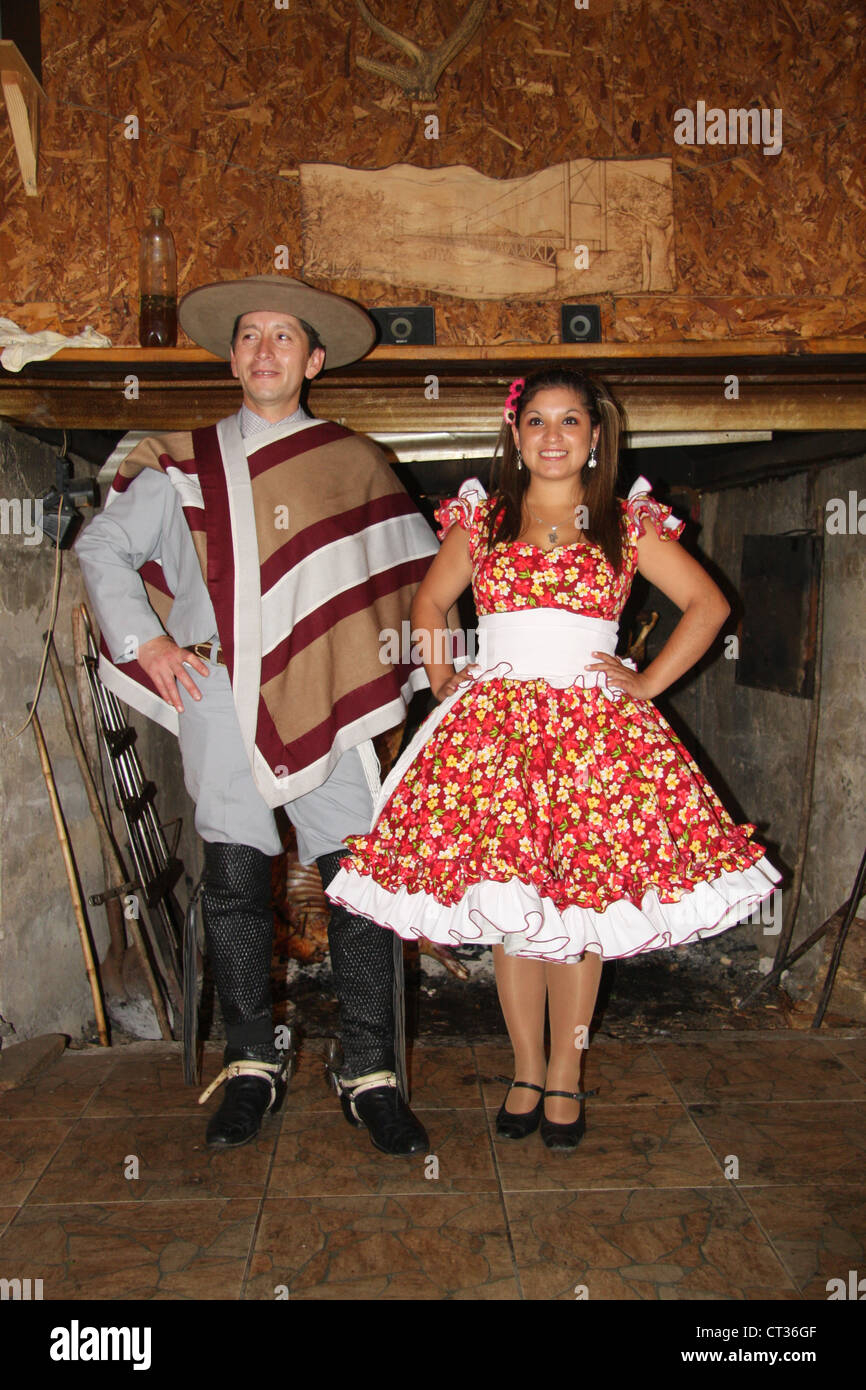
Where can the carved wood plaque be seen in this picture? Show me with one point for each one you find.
(590, 225)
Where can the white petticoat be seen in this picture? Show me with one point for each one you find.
(515, 916)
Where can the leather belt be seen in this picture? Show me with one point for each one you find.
(205, 651)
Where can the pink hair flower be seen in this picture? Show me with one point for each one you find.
(515, 390)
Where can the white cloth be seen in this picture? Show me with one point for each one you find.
(547, 644)
(515, 916)
(20, 347)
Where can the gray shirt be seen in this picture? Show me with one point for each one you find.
(146, 522)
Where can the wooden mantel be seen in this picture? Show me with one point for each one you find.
(664, 386)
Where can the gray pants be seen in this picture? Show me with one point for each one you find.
(228, 807)
(236, 903)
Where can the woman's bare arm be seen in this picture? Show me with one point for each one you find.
(442, 585)
(704, 608)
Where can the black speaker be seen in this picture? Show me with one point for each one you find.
(19, 22)
(581, 323)
(415, 324)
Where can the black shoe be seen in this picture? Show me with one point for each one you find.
(254, 1089)
(511, 1126)
(374, 1101)
(565, 1137)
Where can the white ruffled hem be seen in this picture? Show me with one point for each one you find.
(488, 912)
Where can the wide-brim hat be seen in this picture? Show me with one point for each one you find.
(208, 314)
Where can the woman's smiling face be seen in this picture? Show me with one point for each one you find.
(555, 434)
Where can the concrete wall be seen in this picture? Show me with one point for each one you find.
(754, 741)
(43, 985)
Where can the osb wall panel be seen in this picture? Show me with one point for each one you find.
(54, 248)
(232, 95)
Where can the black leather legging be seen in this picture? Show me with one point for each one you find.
(239, 931)
(362, 959)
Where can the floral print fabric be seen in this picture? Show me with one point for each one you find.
(577, 577)
(589, 800)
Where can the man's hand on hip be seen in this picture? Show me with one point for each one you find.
(165, 663)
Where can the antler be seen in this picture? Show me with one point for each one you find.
(420, 80)
(390, 36)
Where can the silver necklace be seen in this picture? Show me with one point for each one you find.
(551, 535)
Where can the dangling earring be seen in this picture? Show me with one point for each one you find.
(592, 461)
(519, 460)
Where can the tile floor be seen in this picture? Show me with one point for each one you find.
(715, 1166)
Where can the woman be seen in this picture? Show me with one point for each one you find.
(546, 807)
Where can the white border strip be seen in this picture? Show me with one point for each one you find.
(247, 583)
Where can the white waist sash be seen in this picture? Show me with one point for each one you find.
(535, 644)
(543, 644)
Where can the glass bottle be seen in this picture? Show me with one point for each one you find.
(157, 279)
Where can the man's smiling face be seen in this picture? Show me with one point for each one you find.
(271, 358)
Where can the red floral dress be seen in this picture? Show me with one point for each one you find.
(553, 820)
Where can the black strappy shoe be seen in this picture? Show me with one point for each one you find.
(565, 1137)
(510, 1126)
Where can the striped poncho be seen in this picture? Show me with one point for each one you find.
(311, 552)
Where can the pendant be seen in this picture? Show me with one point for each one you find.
(551, 535)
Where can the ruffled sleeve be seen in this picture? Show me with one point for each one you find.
(641, 506)
(460, 510)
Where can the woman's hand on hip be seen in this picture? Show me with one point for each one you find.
(618, 676)
(455, 681)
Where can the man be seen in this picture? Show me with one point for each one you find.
(242, 575)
